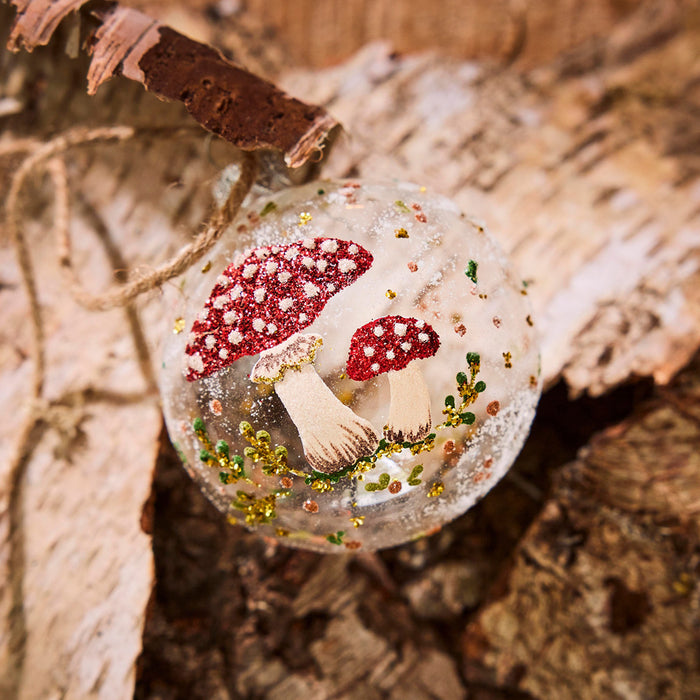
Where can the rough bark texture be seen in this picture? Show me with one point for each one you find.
(602, 597)
(575, 578)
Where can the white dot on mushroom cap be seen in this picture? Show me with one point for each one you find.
(284, 277)
(223, 280)
(330, 288)
(275, 249)
(271, 328)
(329, 246)
(291, 253)
(286, 303)
(234, 337)
(368, 351)
(423, 337)
(353, 249)
(223, 353)
(191, 338)
(309, 243)
(235, 292)
(390, 355)
(220, 302)
(203, 314)
(345, 265)
(261, 253)
(302, 318)
(210, 341)
(196, 363)
(405, 346)
(230, 317)
(378, 331)
(400, 329)
(420, 324)
(249, 271)
(258, 324)
(374, 367)
(271, 267)
(311, 290)
(259, 295)
(307, 262)
(322, 265)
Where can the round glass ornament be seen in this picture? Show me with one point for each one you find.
(353, 367)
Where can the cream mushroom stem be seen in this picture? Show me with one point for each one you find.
(410, 419)
(333, 437)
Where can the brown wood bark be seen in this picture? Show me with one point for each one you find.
(566, 581)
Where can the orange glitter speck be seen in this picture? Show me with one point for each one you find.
(215, 407)
(412, 266)
(460, 329)
(310, 506)
(493, 408)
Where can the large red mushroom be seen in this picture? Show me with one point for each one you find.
(260, 306)
(392, 345)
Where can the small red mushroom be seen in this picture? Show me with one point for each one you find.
(259, 306)
(391, 344)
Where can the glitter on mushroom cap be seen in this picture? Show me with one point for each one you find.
(389, 343)
(275, 292)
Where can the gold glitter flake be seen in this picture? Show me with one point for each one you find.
(401, 233)
(321, 486)
(257, 510)
(304, 218)
(507, 360)
(206, 268)
(436, 489)
(390, 294)
(179, 325)
(358, 521)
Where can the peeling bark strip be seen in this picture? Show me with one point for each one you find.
(240, 107)
(37, 21)
(231, 102)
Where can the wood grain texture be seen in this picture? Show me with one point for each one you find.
(590, 182)
(77, 564)
(531, 31)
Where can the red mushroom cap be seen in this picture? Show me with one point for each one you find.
(389, 343)
(275, 292)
